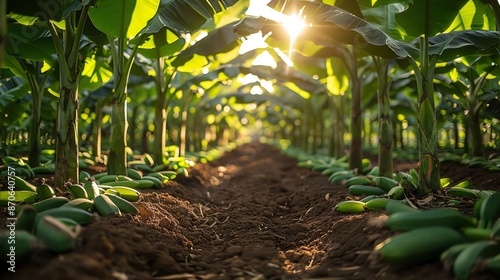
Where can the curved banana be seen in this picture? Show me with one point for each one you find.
(467, 258)
(350, 206)
(105, 206)
(404, 221)
(123, 204)
(55, 234)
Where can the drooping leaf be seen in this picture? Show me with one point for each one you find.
(11, 90)
(464, 43)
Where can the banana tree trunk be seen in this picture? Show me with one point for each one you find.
(132, 128)
(338, 126)
(34, 134)
(385, 133)
(97, 131)
(66, 167)
(355, 157)
(475, 135)
(429, 178)
(117, 159)
(160, 119)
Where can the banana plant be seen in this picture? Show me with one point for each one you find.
(465, 80)
(66, 36)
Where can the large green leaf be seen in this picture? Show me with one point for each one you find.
(476, 14)
(11, 90)
(330, 26)
(463, 43)
(429, 16)
(27, 11)
(123, 18)
(30, 42)
(185, 16)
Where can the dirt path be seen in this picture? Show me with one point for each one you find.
(252, 214)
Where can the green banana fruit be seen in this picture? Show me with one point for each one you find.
(449, 256)
(134, 174)
(105, 206)
(130, 184)
(55, 234)
(148, 159)
(25, 243)
(350, 206)
(368, 198)
(489, 211)
(378, 203)
(91, 188)
(26, 218)
(99, 175)
(397, 192)
(77, 191)
(84, 175)
(358, 180)
(49, 203)
(467, 258)
(7, 197)
(404, 221)
(158, 184)
(332, 169)
(159, 167)
(337, 178)
(419, 245)
(123, 204)
(444, 182)
(113, 178)
(476, 233)
(365, 190)
(164, 179)
(385, 183)
(374, 171)
(80, 216)
(395, 206)
(82, 203)
(169, 174)
(463, 192)
(127, 193)
(467, 184)
(145, 184)
(45, 191)
(142, 167)
(23, 185)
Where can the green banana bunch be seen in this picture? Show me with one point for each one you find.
(490, 210)
(56, 236)
(340, 176)
(418, 245)
(350, 206)
(365, 190)
(404, 221)
(467, 258)
(105, 206)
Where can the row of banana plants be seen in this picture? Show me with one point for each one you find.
(51, 219)
(427, 230)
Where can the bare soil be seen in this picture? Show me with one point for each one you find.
(252, 214)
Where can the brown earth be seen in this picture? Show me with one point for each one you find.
(252, 214)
